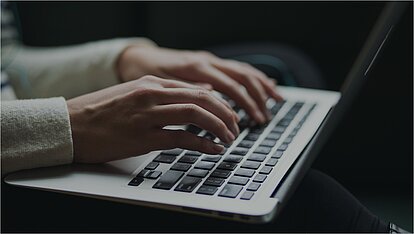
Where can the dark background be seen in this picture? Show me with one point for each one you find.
(372, 150)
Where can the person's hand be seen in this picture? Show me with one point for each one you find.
(129, 119)
(226, 76)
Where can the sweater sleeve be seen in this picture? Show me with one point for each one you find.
(67, 71)
(35, 133)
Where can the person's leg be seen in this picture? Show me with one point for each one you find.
(321, 204)
(318, 205)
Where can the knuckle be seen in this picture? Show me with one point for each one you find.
(204, 53)
(150, 78)
(191, 110)
(203, 96)
(196, 63)
(233, 86)
(146, 93)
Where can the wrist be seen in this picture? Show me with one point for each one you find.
(127, 65)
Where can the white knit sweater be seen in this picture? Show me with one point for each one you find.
(36, 132)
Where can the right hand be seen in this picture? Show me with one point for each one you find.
(129, 119)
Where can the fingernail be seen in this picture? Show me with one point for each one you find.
(233, 130)
(237, 117)
(237, 129)
(268, 115)
(261, 117)
(218, 148)
(230, 137)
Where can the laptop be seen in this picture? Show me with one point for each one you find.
(256, 175)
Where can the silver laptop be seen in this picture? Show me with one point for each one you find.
(252, 180)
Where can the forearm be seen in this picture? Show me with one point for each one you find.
(35, 133)
(67, 71)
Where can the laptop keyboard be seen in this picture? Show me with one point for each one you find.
(240, 169)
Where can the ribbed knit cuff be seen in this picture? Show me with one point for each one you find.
(35, 133)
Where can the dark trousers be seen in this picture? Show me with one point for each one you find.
(320, 204)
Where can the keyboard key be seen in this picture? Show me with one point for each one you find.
(188, 159)
(269, 143)
(252, 137)
(257, 157)
(205, 165)
(162, 158)
(168, 180)
(283, 147)
(198, 173)
(283, 123)
(278, 129)
(263, 150)
(275, 108)
(230, 190)
(273, 136)
(211, 158)
(238, 180)
(153, 175)
(289, 116)
(265, 170)
(240, 151)
(227, 166)
(253, 186)
(246, 144)
(233, 158)
(188, 184)
(271, 162)
(221, 173)
(257, 129)
(143, 173)
(207, 190)
(245, 172)
(247, 195)
(136, 181)
(193, 153)
(251, 165)
(288, 139)
(213, 181)
(277, 154)
(210, 136)
(194, 129)
(181, 166)
(244, 123)
(174, 152)
(152, 165)
(293, 133)
(259, 178)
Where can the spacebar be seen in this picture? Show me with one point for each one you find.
(168, 180)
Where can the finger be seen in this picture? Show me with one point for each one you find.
(205, 85)
(183, 114)
(169, 139)
(271, 89)
(204, 99)
(179, 84)
(256, 71)
(251, 83)
(231, 88)
(221, 99)
(268, 84)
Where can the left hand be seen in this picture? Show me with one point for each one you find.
(225, 76)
